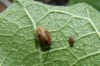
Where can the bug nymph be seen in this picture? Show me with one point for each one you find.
(44, 37)
(71, 41)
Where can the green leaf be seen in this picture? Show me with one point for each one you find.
(94, 3)
(17, 40)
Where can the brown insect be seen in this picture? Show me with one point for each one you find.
(43, 37)
(71, 41)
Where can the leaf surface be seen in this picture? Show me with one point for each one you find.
(17, 40)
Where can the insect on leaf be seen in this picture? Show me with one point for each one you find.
(19, 22)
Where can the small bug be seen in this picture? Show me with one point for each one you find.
(71, 41)
(44, 37)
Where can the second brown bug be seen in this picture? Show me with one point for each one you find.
(44, 37)
(71, 41)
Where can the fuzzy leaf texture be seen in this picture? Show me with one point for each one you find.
(17, 40)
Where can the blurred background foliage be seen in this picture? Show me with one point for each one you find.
(95, 3)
